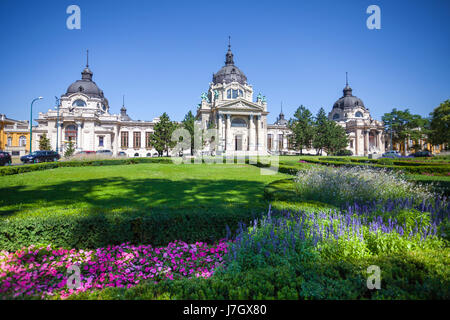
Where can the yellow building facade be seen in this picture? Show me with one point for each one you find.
(14, 136)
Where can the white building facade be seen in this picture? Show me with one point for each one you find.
(366, 135)
(84, 119)
(228, 107)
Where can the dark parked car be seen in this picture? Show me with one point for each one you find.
(424, 153)
(5, 158)
(40, 156)
(122, 154)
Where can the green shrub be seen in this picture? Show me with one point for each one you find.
(100, 228)
(341, 185)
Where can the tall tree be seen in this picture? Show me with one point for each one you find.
(336, 139)
(440, 124)
(321, 129)
(188, 123)
(404, 126)
(44, 143)
(70, 149)
(161, 138)
(302, 127)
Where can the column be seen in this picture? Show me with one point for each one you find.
(228, 133)
(366, 142)
(260, 142)
(251, 134)
(79, 135)
(219, 137)
(114, 145)
(357, 132)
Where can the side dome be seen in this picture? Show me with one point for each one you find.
(348, 100)
(229, 72)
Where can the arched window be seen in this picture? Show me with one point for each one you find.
(71, 133)
(359, 114)
(238, 122)
(149, 154)
(234, 93)
(22, 141)
(136, 154)
(336, 116)
(79, 103)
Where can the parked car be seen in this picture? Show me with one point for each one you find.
(105, 152)
(122, 154)
(423, 153)
(392, 154)
(5, 158)
(86, 152)
(40, 156)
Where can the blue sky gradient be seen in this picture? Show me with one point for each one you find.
(161, 54)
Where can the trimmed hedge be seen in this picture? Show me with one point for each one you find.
(435, 169)
(52, 165)
(396, 162)
(101, 228)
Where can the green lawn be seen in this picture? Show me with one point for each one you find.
(133, 186)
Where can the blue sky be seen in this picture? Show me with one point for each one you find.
(161, 54)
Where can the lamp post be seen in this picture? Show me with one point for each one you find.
(57, 123)
(31, 122)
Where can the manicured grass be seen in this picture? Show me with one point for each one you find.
(138, 186)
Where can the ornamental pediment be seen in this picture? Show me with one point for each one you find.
(240, 105)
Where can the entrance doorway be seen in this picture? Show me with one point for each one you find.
(238, 143)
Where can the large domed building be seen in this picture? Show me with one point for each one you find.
(228, 106)
(365, 134)
(84, 118)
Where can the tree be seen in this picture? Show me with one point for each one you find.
(440, 124)
(405, 126)
(161, 138)
(302, 127)
(44, 143)
(321, 130)
(188, 123)
(336, 138)
(70, 149)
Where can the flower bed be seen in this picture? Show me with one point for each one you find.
(43, 271)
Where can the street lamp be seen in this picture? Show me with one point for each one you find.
(57, 123)
(31, 122)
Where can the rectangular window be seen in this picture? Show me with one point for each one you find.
(269, 141)
(280, 142)
(100, 141)
(148, 141)
(136, 139)
(124, 139)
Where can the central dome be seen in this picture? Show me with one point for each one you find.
(229, 72)
(348, 100)
(85, 85)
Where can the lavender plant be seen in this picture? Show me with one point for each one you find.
(356, 184)
(353, 232)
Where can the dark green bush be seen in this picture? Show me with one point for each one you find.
(100, 228)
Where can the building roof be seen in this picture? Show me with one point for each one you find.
(229, 72)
